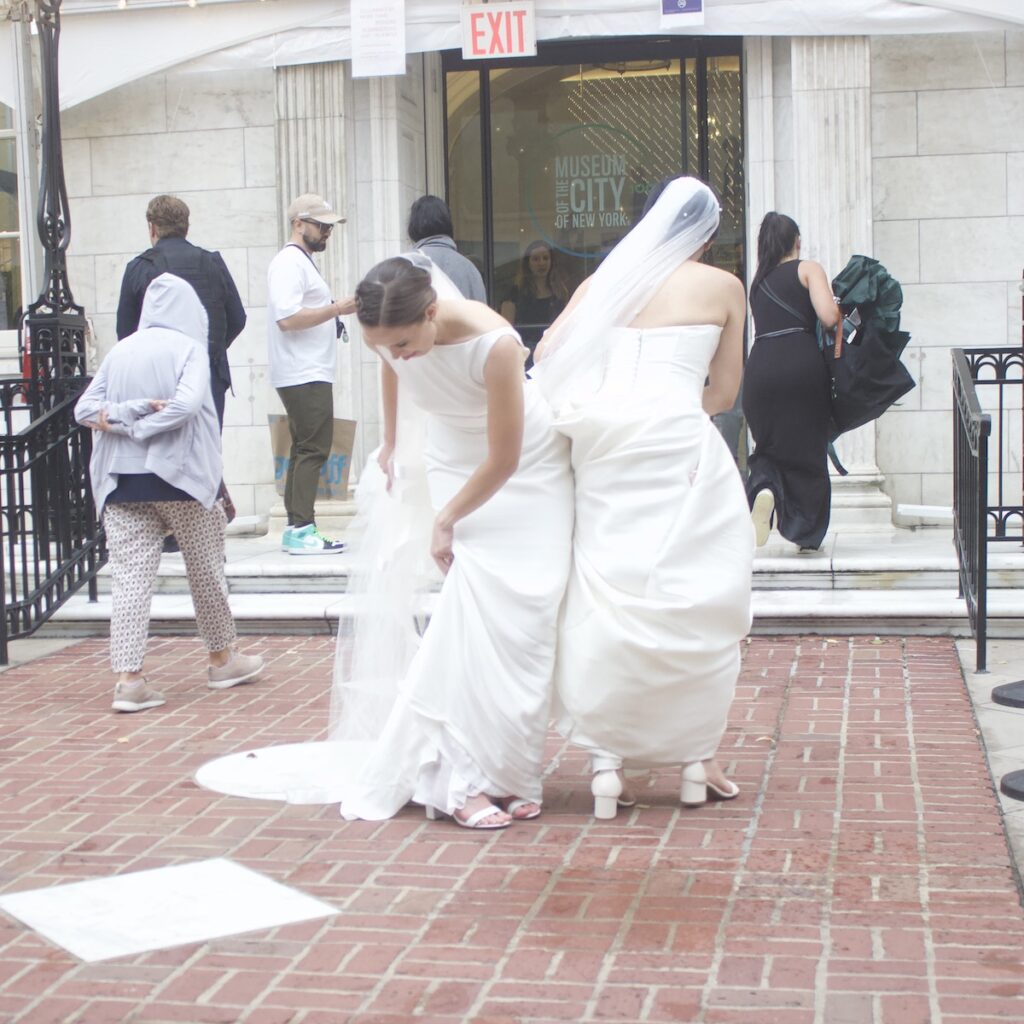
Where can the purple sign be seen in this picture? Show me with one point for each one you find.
(682, 6)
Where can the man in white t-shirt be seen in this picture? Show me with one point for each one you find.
(302, 333)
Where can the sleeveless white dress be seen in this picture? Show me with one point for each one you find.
(473, 710)
(659, 593)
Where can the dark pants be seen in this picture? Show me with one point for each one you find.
(310, 409)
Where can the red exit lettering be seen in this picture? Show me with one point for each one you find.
(500, 33)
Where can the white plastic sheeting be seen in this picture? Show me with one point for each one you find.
(101, 51)
(1008, 10)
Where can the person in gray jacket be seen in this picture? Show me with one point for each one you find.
(156, 469)
(430, 230)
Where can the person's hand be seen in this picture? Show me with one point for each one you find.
(441, 546)
(100, 423)
(344, 307)
(386, 461)
(156, 404)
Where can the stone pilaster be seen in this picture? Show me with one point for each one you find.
(313, 127)
(830, 78)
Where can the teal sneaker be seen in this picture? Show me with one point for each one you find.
(308, 540)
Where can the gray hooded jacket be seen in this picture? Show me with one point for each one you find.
(166, 358)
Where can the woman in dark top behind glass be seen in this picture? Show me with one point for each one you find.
(538, 296)
(786, 389)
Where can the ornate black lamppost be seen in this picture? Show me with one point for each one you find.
(55, 326)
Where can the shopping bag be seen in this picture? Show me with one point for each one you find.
(334, 472)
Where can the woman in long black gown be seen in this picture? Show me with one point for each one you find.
(786, 389)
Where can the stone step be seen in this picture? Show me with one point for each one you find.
(909, 560)
(882, 612)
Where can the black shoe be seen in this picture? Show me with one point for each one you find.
(170, 544)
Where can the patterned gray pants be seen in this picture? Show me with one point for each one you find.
(135, 533)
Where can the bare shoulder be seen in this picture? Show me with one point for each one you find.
(809, 269)
(713, 279)
(507, 356)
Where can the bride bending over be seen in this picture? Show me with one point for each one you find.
(465, 734)
(649, 348)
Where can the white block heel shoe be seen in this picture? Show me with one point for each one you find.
(607, 788)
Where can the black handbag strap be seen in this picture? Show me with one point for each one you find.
(782, 304)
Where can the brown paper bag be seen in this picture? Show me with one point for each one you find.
(333, 473)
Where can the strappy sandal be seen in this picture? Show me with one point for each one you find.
(475, 820)
(516, 803)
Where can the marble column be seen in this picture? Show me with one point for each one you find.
(830, 82)
(313, 126)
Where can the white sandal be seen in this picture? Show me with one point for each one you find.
(516, 803)
(474, 820)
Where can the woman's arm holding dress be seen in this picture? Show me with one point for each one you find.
(503, 378)
(389, 398)
(726, 367)
(813, 277)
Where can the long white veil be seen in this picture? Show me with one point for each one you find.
(391, 573)
(682, 220)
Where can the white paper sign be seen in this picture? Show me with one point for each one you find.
(378, 38)
(491, 31)
(681, 13)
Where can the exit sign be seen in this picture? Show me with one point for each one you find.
(498, 30)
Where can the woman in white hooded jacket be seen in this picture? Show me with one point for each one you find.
(156, 469)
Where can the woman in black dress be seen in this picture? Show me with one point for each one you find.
(786, 389)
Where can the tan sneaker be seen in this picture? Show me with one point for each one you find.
(136, 696)
(240, 668)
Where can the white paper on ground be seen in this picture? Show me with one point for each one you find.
(296, 773)
(145, 910)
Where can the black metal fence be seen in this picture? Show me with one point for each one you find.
(998, 375)
(50, 544)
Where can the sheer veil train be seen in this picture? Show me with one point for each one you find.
(385, 607)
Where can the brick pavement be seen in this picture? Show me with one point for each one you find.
(862, 876)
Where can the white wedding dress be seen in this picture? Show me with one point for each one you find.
(659, 594)
(473, 710)
(473, 698)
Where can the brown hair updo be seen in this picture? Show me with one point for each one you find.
(395, 293)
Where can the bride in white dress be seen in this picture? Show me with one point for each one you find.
(659, 594)
(470, 718)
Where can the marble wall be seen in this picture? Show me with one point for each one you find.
(210, 139)
(947, 119)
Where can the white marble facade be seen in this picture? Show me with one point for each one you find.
(947, 119)
(937, 194)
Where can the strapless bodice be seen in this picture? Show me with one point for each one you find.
(644, 362)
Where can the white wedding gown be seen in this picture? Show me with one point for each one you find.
(659, 594)
(472, 709)
(472, 713)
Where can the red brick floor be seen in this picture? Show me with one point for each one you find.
(862, 876)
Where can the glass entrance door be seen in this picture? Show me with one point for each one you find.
(550, 160)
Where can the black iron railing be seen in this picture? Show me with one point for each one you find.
(50, 543)
(985, 509)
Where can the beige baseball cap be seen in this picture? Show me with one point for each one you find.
(310, 206)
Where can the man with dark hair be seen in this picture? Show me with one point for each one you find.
(167, 217)
(431, 230)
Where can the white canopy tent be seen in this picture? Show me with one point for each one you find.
(103, 47)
